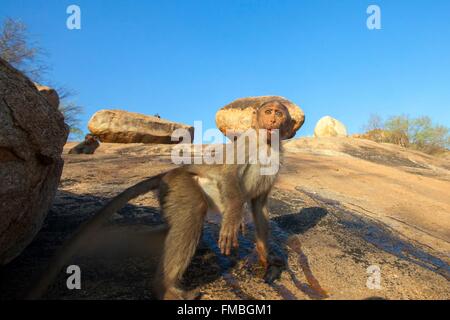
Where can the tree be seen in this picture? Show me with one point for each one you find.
(418, 133)
(375, 123)
(71, 111)
(21, 52)
(399, 124)
(428, 137)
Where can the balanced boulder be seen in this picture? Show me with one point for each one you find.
(32, 136)
(117, 126)
(330, 127)
(238, 116)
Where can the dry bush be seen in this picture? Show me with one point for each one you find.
(416, 133)
(17, 48)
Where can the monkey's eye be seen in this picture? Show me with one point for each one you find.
(268, 111)
(279, 113)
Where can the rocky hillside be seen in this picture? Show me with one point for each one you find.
(342, 208)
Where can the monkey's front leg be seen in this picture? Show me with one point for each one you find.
(272, 264)
(232, 216)
(228, 238)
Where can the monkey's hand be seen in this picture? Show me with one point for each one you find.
(228, 237)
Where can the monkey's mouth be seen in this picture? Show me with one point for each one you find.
(271, 131)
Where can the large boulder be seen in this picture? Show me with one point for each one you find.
(50, 94)
(119, 126)
(238, 116)
(330, 127)
(32, 136)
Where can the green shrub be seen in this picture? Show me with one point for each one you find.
(416, 133)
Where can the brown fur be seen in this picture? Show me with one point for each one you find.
(88, 146)
(186, 194)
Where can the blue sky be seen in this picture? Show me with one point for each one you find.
(186, 59)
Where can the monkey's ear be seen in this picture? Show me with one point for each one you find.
(286, 129)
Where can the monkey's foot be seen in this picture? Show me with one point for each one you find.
(274, 269)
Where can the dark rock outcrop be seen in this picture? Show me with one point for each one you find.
(32, 136)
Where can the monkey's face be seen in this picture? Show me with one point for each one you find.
(90, 138)
(272, 116)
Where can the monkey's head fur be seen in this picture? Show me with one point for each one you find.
(274, 115)
(91, 138)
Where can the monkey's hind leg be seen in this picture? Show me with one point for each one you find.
(184, 208)
(273, 265)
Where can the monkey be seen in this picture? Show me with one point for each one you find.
(88, 146)
(186, 193)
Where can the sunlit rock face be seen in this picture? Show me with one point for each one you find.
(117, 126)
(330, 127)
(238, 116)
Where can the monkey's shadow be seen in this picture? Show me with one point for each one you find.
(119, 262)
(284, 228)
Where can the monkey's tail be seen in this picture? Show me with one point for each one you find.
(86, 230)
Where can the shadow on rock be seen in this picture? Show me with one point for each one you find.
(286, 229)
(119, 262)
(114, 263)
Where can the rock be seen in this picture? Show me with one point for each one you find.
(50, 94)
(119, 126)
(330, 127)
(32, 136)
(342, 197)
(238, 115)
